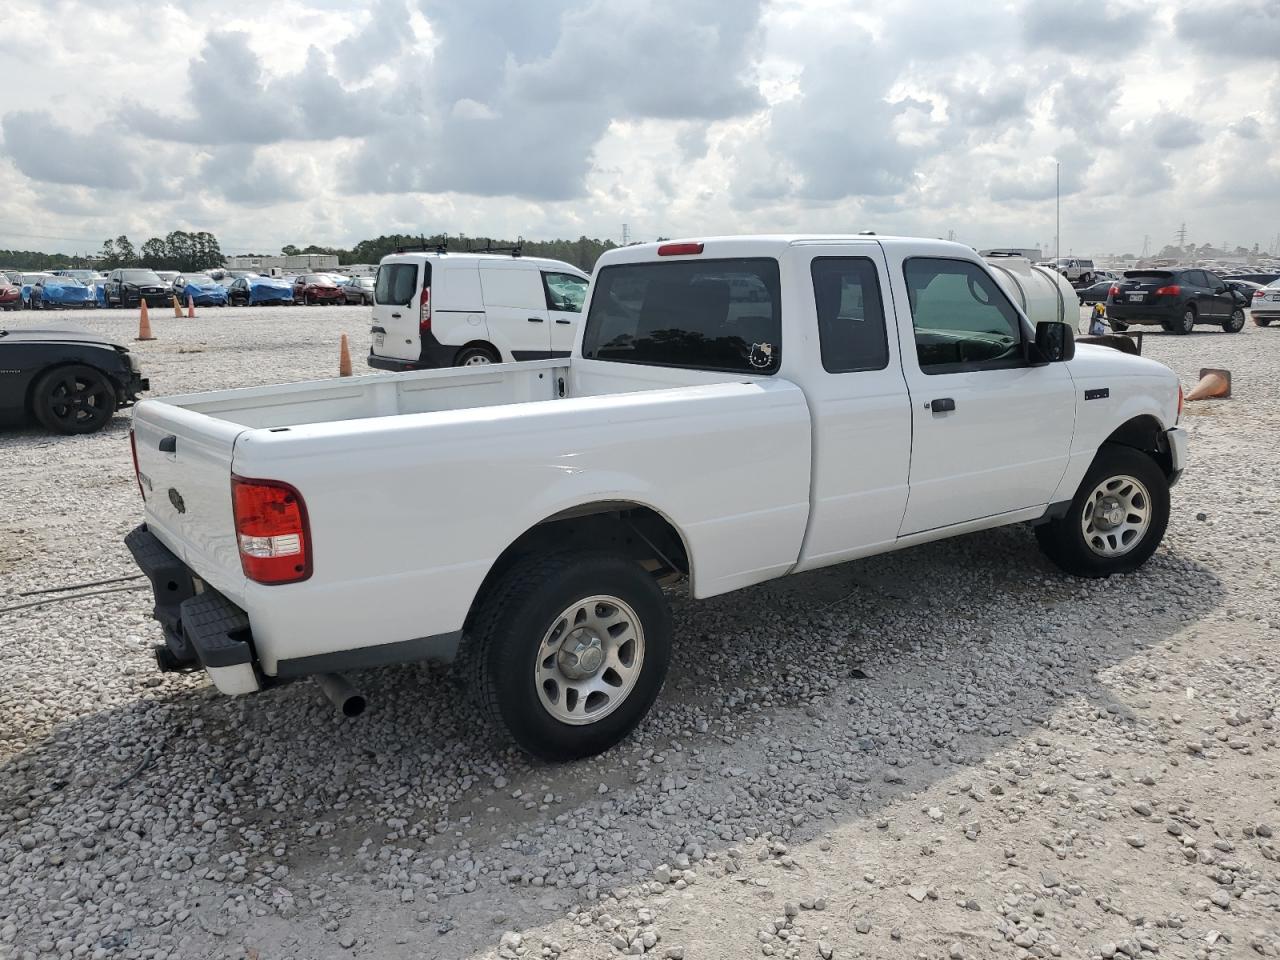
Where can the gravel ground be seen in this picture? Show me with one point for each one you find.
(952, 751)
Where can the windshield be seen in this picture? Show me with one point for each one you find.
(198, 279)
(33, 277)
(139, 276)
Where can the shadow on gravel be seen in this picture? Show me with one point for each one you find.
(852, 685)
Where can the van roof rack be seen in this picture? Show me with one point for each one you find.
(514, 249)
(424, 245)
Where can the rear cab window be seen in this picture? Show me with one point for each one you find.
(397, 283)
(720, 315)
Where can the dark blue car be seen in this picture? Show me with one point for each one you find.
(58, 293)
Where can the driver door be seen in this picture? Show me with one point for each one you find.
(991, 434)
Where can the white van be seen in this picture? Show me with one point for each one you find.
(440, 309)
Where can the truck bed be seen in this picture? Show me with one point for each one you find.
(415, 483)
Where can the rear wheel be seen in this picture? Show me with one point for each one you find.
(1236, 323)
(1117, 518)
(476, 357)
(1187, 322)
(571, 652)
(1262, 321)
(74, 399)
(1119, 326)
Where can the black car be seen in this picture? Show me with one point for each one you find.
(1094, 293)
(67, 381)
(1259, 278)
(127, 286)
(1176, 299)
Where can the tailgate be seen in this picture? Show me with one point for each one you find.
(184, 459)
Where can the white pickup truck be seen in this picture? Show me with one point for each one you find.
(734, 410)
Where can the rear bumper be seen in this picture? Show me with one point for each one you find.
(201, 627)
(1143, 313)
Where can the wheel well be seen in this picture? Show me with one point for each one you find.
(481, 345)
(1145, 433)
(629, 529)
(28, 405)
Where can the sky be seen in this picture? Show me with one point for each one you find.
(331, 121)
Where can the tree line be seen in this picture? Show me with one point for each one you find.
(178, 250)
(582, 253)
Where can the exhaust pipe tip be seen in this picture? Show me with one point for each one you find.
(349, 701)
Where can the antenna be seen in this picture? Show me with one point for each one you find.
(1057, 215)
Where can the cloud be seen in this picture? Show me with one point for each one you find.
(46, 148)
(233, 100)
(1087, 27)
(386, 32)
(1235, 28)
(1171, 131)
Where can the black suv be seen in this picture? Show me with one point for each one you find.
(127, 285)
(1176, 299)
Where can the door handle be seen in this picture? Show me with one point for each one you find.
(942, 405)
(168, 444)
(395, 316)
(535, 319)
(565, 322)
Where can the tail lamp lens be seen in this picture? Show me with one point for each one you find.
(679, 249)
(1170, 291)
(1178, 418)
(424, 312)
(1114, 291)
(272, 531)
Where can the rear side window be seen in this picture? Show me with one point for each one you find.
(396, 285)
(516, 287)
(698, 314)
(851, 328)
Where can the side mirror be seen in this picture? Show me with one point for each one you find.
(1054, 343)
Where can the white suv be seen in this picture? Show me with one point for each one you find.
(1077, 270)
(440, 309)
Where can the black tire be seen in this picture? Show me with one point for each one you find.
(1262, 321)
(1064, 540)
(1119, 326)
(1186, 323)
(73, 399)
(523, 608)
(1086, 279)
(476, 356)
(1236, 323)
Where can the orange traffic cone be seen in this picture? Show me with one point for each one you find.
(1213, 383)
(344, 358)
(177, 308)
(191, 307)
(144, 322)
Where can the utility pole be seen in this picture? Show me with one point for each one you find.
(626, 234)
(1057, 215)
(1146, 245)
(1182, 235)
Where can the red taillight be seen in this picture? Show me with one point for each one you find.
(1114, 291)
(1259, 293)
(1179, 416)
(1172, 290)
(272, 530)
(679, 249)
(424, 311)
(137, 471)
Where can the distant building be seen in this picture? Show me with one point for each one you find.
(305, 262)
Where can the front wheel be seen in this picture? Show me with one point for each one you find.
(1117, 518)
(571, 651)
(1236, 323)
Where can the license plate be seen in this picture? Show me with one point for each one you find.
(1137, 296)
(378, 340)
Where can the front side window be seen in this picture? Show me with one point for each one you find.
(851, 327)
(962, 319)
(396, 284)
(699, 314)
(565, 292)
